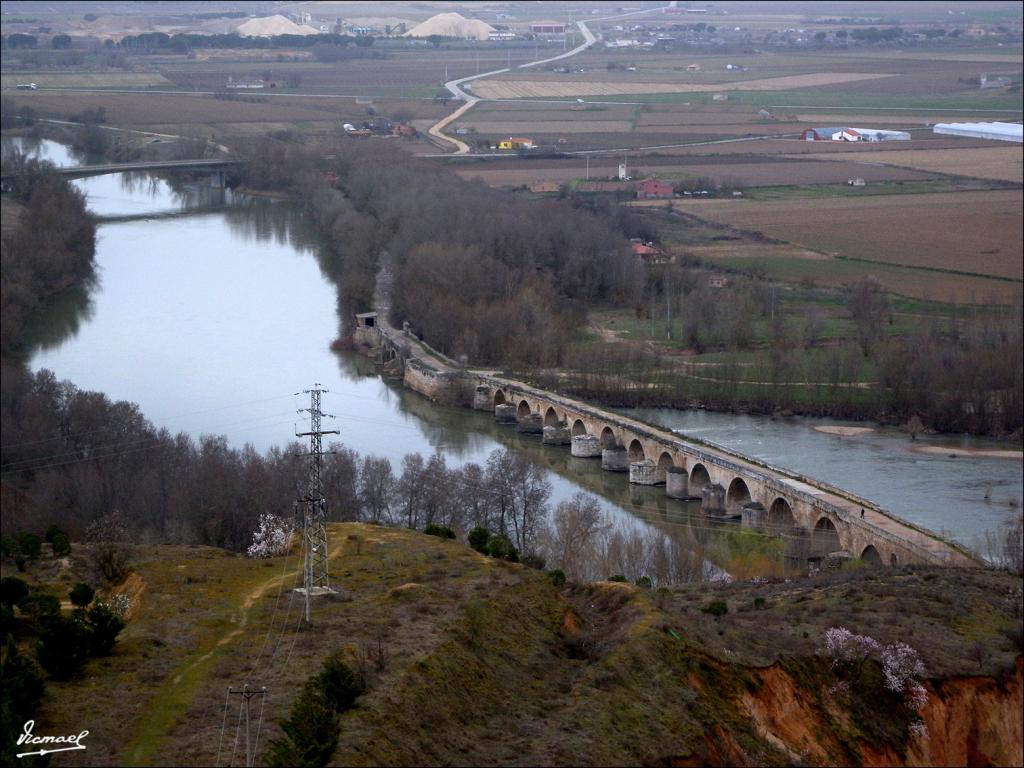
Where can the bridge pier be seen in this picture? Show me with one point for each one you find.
(505, 414)
(586, 446)
(712, 500)
(557, 434)
(643, 472)
(531, 424)
(676, 482)
(615, 459)
(482, 400)
(754, 516)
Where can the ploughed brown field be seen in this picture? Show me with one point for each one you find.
(971, 232)
(1002, 163)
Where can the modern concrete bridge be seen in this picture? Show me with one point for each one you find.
(82, 171)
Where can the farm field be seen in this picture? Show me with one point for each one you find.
(85, 79)
(975, 233)
(199, 113)
(749, 171)
(1003, 163)
(517, 89)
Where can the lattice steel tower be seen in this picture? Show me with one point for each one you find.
(314, 505)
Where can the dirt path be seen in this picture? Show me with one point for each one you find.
(180, 688)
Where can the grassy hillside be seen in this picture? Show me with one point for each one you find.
(474, 661)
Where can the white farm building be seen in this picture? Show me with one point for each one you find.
(999, 131)
(853, 134)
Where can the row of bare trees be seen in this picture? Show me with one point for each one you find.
(491, 275)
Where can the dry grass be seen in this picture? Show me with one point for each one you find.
(478, 648)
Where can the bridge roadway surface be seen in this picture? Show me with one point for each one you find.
(858, 523)
(81, 171)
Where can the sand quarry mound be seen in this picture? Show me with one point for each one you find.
(268, 26)
(451, 25)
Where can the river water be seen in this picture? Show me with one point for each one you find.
(211, 312)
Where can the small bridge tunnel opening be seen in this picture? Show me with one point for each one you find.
(738, 493)
(523, 410)
(551, 418)
(608, 439)
(578, 428)
(825, 537)
(636, 451)
(780, 516)
(499, 398)
(699, 478)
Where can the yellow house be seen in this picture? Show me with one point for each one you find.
(515, 143)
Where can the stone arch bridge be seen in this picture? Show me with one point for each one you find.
(729, 484)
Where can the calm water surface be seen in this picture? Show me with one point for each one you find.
(211, 312)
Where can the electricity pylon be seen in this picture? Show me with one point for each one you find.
(315, 579)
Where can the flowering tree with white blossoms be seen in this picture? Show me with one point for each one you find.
(271, 537)
(901, 666)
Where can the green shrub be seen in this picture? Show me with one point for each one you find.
(312, 728)
(51, 533)
(501, 548)
(81, 595)
(12, 590)
(40, 606)
(341, 685)
(61, 545)
(310, 732)
(105, 625)
(645, 582)
(64, 645)
(478, 538)
(22, 691)
(716, 608)
(619, 578)
(29, 544)
(759, 602)
(441, 531)
(557, 577)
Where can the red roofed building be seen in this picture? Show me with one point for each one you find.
(652, 189)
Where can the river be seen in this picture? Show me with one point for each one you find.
(212, 313)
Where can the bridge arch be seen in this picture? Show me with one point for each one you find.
(523, 410)
(579, 428)
(665, 463)
(738, 493)
(636, 451)
(825, 537)
(870, 555)
(699, 477)
(608, 439)
(780, 516)
(499, 397)
(551, 417)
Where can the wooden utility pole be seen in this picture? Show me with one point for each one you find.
(246, 693)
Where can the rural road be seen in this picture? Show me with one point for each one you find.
(455, 86)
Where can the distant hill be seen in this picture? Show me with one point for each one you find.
(474, 661)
